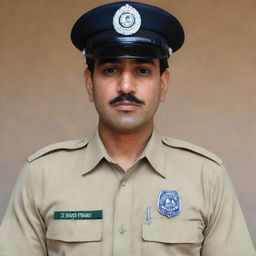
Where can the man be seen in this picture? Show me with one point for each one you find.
(125, 190)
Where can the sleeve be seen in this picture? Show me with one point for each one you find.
(226, 232)
(22, 231)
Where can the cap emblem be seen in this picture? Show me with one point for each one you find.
(127, 20)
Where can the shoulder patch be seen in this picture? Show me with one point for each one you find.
(191, 147)
(66, 145)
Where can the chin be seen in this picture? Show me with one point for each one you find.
(127, 124)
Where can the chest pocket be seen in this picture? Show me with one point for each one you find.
(74, 236)
(171, 237)
(75, 230)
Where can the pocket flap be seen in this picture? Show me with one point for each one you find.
(173, 231)
(75, 230)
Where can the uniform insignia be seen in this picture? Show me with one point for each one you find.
(168, 203)
(77, 215)
(127, 20)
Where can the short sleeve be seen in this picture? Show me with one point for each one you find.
(226, 232)
(22, 229)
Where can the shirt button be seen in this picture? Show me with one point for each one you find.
(122, 230)
(124, 183)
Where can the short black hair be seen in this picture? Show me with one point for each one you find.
(163, 65)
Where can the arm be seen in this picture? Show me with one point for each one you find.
(22, 231)
(226, 232)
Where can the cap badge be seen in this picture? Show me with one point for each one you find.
(168, 203)
(126, 20)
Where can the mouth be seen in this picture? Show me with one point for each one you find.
(126, 105)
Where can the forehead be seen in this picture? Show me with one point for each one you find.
(99, 62)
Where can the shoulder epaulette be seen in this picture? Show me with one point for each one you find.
(191, 147)
(66, 145)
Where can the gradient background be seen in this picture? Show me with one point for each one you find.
(211, 102)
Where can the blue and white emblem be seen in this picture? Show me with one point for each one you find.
(127, 20)
(168, 203)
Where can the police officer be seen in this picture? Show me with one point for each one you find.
(126, 189)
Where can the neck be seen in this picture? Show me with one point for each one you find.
(125, 147)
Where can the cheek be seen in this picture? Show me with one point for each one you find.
(155, 93)
(103, 90)
(101, 97)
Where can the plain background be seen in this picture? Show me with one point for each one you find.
(211, 101)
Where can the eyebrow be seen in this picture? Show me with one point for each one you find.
(100, 62)
(118, 60)
(145, 61)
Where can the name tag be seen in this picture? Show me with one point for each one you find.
(77, 215)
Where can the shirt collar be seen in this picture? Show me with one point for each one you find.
(95, 152)
(153, 152)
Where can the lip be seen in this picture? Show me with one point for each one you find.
(126, 105)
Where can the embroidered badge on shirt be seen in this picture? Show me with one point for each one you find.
(127, 20)
(168, 203)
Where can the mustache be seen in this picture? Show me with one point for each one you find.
(126, 97)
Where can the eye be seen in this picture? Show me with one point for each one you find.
(110, 70)
(143, 70)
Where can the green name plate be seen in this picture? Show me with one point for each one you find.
(77, 215)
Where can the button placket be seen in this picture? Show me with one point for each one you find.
(122, 220)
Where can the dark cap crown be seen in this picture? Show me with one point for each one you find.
(127, 29)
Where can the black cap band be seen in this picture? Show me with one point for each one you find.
(145, 44)
(137, 51)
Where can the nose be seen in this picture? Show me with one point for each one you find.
(126, 83)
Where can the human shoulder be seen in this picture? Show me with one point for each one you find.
(65, 145)
(189, 147)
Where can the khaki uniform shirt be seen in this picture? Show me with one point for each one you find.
(72, 199)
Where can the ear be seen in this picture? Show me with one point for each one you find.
(164, 85)
(88, 84)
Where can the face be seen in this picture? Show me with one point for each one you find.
(126, 92)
